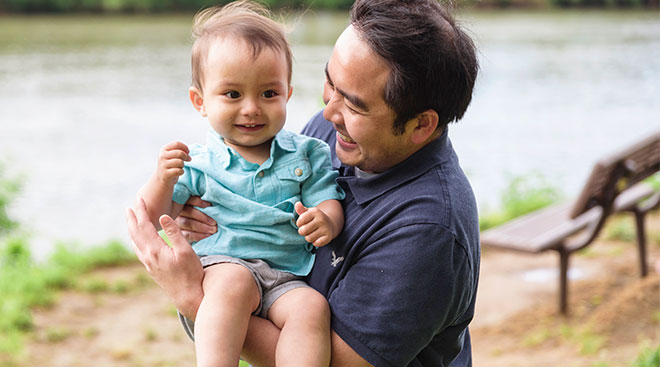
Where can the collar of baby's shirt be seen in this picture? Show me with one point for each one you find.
(216, 145)
(283, 141)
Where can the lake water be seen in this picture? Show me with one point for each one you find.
(86, 103)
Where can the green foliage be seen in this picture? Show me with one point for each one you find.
(193, 5)
(648, 357)
(654, 181)
(622, 228)
(523, 195)
(9, 187)
(25, 284)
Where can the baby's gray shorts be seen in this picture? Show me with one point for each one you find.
(271, 283)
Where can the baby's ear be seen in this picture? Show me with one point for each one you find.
(197, 100)
(290, 92)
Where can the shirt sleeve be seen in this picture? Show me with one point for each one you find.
(321, 184)
(405, 287)
(191, 183)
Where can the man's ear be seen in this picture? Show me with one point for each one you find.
(290, 92)
(197, 100)
(424, 126)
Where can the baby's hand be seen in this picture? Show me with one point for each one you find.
(314, 225)
(170, 162)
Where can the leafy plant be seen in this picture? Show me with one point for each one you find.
(648, 357)
(523, 195)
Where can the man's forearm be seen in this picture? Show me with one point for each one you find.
(188, 304)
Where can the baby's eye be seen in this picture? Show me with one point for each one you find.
(269, 94)
(233, 94)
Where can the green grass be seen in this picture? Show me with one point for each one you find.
(9, 187)
(26, 284)
(523, 195)
(649, 356)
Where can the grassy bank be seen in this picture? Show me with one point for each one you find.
(26, 284)
(523, 194)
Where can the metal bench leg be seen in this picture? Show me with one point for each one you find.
(563, 280)
(641, 242)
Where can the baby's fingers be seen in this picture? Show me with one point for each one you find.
(307, 229)
(304, 219)
(172, 163)
(176, 145)
(321, 241)
(173, 172)
(177, 154)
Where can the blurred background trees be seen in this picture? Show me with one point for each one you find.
(158, 6)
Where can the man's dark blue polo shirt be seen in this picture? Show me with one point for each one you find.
(401, 278)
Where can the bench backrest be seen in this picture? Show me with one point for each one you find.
(617, 172)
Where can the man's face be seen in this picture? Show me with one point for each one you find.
(354, 97)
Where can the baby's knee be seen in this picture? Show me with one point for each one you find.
(312, 305)
(315, 301)
(230, 281)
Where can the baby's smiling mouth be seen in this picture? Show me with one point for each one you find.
(249, 127)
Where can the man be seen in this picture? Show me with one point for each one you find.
(401, 278)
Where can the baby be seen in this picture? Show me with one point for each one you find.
(273, 192)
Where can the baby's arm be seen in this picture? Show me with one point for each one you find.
(157, 192)
(320, 224)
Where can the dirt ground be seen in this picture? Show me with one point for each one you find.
(613, 312)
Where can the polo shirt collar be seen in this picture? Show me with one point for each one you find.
(216, 143)
(366, 189)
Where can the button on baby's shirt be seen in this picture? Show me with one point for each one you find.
(260, 174)
(298, 172)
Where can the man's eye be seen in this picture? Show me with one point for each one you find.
(233, 94)
(269, 94)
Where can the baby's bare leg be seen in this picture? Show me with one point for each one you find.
(230, 296)
(303, 315)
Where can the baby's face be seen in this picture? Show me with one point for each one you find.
(245, 97)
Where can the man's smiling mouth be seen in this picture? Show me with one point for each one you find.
(345, 138)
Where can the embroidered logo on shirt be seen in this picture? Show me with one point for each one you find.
(336, 260)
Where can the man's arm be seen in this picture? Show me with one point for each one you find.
(343, 355)
(177, 269)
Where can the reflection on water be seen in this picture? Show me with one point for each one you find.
(86, 102)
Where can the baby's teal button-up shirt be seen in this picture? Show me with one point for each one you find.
(253, 204)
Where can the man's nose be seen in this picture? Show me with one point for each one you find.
(332, 103)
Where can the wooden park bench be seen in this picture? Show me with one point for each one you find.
(614, 186)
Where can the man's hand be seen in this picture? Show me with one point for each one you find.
(170, 162)
(315, 225)
(177, 269)
(194, 224)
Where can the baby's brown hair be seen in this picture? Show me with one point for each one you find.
(241, 20)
